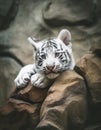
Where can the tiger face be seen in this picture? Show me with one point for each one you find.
(53, 56)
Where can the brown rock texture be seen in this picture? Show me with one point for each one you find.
(65, 105)
(89, 66)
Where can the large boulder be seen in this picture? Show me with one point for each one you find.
(89, 66)
(70, 13)
(8, 11)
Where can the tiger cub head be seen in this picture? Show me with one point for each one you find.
(53, 56)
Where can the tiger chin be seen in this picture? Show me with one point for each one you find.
(51, 58)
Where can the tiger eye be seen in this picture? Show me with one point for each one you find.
(43, 56)
(57, 54)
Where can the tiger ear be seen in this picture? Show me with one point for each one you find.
(65, 36)
(33, 42)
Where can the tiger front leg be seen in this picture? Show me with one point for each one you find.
(24, 76)
(39, 80)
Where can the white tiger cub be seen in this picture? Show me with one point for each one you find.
(52, 57)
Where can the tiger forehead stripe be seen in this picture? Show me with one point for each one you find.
(56, 45)
(53, 43)
(49, 43)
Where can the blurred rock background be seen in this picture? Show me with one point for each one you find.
(41, 19)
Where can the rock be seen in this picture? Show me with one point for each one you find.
(89, 66)
(26, 105)
(8, 70)
(18, 120)
(65, 105)
(69, 13)
(8, 11)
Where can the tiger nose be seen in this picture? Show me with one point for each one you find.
(50, 67)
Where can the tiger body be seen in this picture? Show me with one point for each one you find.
(52, 57)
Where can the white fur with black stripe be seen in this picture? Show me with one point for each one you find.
(52, 57)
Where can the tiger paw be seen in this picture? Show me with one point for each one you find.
(39, 80)
(22, 80)
(24, 76)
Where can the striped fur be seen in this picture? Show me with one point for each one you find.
(52, 57)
